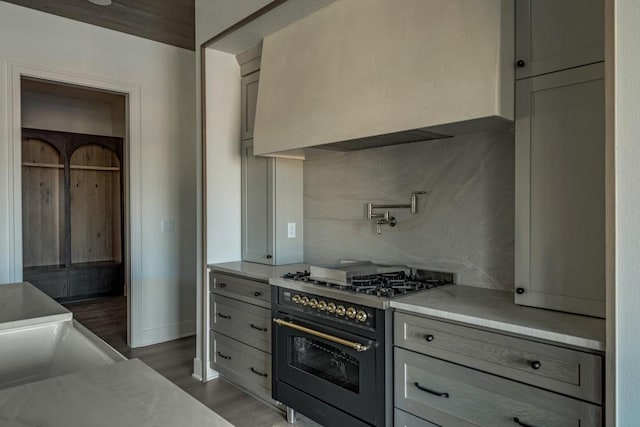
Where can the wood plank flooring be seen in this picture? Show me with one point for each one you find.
(107, 318)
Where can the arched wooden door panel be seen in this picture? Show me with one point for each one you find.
(72, 213)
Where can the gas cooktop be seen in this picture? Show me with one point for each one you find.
(388, 284)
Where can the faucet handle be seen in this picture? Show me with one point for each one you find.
(414, 201)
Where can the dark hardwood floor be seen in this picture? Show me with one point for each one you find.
(107, 318)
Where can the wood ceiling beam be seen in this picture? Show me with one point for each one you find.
(167, 21)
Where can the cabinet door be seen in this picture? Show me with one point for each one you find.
(257, 207)
(560, 250)
(554, 35)
(249, 100)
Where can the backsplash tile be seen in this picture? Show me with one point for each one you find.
(465, 224)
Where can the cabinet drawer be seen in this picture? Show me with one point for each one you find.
(566, 371)
(403, 419)
(251, 291)
(244, 365)
(449, 394)
(241, 321)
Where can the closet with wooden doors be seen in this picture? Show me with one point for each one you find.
(72, 213)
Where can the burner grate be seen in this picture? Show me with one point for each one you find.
(385, 285)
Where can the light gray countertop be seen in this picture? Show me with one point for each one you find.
(474, 306)
(256, 271)
(496, 310)
(123, 394)
(22, 304)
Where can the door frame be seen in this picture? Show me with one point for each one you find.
(132, 175)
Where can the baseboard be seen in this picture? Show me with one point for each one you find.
(165, 333)
(197, 371)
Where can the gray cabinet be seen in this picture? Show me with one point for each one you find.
(240, 330)
(272, 212)
(271, 187)
(554, 35)
(449, 374)
(567, 371)
(249, 100)
(560, 224)
(449, 394)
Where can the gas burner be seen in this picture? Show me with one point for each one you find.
(384, 285)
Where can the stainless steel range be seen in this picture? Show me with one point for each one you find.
(332, 340)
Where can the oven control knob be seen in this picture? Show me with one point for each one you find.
(351, 312)
(331, 308)
(296, 299)
(361, 316)
(313, 303)
(304, 301)
(322, 305)
(340, 310)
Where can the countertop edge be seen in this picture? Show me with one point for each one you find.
(32, 321)
(502, 326)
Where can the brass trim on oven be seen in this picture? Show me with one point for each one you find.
(354, 345)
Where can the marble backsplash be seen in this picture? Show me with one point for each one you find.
(464, 224)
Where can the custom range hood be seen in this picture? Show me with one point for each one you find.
(367, 73)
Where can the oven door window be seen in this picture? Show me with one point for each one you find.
(325, 361)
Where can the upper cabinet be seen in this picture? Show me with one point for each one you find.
(560, 148)
(248, 102)
(272, 212)
(554, 35)
(560, 241)
(381, 72)
(249, 62)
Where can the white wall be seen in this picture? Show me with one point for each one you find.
(212, 17)
(627, 176)
(223, 158)
(164, 78)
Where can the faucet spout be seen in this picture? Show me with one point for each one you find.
(388, 220)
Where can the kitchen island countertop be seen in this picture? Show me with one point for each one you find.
(123, 394)
(256, 271)
(22, 304)
(494, 309)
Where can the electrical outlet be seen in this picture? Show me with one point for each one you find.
(291, 230)
(167, 226)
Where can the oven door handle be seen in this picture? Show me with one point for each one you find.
(354, 345)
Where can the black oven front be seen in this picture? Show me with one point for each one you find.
(329, 366)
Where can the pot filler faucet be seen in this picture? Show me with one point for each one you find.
(386, 218)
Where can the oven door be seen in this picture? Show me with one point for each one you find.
(334, 366)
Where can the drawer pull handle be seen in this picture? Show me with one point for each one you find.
(258, 328)
(223, 316)
(419, 387)
(222, 285)
(536, 364)
(223, 356)
(257, 294)
(258, 372)
(428, 337)
(520, 423)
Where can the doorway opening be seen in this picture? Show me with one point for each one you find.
(73, 144)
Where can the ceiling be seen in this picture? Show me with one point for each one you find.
(252, 33)
(166, 21)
